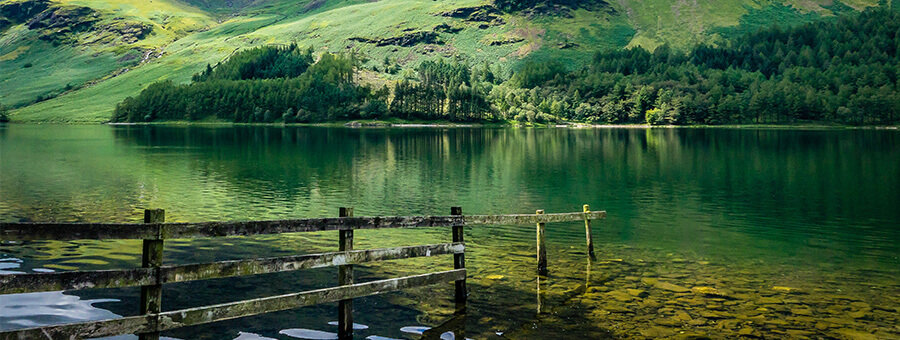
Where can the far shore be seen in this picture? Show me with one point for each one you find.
(513, 124)
(400, 123)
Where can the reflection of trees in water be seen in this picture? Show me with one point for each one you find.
(745, 193)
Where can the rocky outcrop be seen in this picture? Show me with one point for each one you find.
(4, 23)
(22, 11)
(64, 17)
(63, 23)
(506, 41)
(128, 31)
(405, 40)
(487, 15)
(446, 28)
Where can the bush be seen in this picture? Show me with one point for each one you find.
(654, 116)
(535, 74)
(3, 117)
(374, 109)
(288, 116)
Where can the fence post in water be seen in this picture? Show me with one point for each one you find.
(151, 295)
(541, 248)
(345, 277)
(587, 232)
(459, 260)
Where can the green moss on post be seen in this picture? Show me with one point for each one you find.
(459, 260)
(345, 277)
(151, 295)
(587, 232)
(541, 248)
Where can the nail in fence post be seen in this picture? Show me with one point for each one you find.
(459, 260)
(345, 277)
(151, 295)
(587, 233)
(541, 248)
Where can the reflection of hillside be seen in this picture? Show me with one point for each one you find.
(811, 203)
(63, 173)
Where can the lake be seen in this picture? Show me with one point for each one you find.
(710, 232)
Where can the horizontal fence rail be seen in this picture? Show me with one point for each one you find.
(42, 282)
(25, 231)
(152, 275)
(226, 311)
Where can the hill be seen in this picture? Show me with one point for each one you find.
(74, 60)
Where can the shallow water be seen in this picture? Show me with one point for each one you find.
(711, 232)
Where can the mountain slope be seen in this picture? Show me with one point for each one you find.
(94, 73)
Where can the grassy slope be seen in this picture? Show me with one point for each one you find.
(635, 22)
(55, 67)
(688, 22)
(50, 69)
(95, 104)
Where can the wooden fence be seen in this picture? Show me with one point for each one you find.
(153, 274)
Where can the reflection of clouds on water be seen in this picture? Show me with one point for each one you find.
(310, 334)
(414, 329)
(421, 329)
(49, 308)
(9, 263)
(251, 336)
(356, 326)
(13, 263)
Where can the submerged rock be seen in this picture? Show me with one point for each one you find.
(785, 289)
(853, 334)
(801, 311)
(657, 332)
(671, 287)
(638, 293)
(620, 296)
(708, 291)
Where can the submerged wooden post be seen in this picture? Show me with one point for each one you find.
(587, 232)
(459, 261)
(540, 303)
(151, 295)
(345, 277)
(541, 248)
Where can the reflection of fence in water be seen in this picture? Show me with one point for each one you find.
(153, 274)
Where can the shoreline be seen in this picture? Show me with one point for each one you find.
(361, 124)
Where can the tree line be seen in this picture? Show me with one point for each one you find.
(840, 70)
(3, 111)
(843, 70)
(260, 85)
(445, 90)
(284, 84)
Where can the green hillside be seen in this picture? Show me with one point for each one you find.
(73, 61)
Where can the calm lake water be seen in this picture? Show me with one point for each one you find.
(711, 232)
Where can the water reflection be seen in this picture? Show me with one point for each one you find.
(737, 210)
(35, 309)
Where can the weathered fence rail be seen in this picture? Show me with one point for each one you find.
(153, 274)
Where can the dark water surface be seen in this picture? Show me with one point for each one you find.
(711, 232)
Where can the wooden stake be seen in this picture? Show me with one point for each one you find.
(459, 261)
(345, 277)
(541, 248)
(151, 295)
(587, 232)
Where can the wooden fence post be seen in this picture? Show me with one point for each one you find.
(541, 248)
(151, 295)
(345, 277)
(459, 260)
(587, 232)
